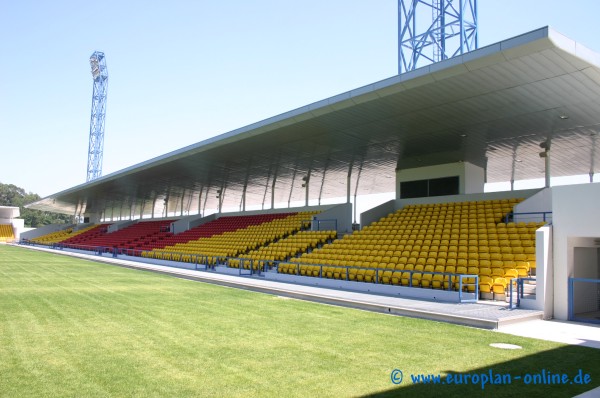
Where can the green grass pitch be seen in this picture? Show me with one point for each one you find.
(77, 328)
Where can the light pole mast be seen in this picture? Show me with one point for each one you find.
(434, 30)
(96, 146)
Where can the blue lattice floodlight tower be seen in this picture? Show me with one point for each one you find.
(433, 30)
(96, 147)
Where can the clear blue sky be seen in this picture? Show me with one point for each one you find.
(183, 71)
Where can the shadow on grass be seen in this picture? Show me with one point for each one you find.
(539, 375)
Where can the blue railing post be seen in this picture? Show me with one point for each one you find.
(510, 293)
(570, 300)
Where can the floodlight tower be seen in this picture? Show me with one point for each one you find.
(96, 146)
(434, 30)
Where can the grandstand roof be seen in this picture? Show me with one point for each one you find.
(491, 107)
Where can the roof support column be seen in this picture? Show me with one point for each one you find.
(266, 187)
(166, 209)
(205, 199)
(356, 190)
(200, 201)
(513, 169)
(291, 188)
(323, 180)
(593, 158)
(348, 183)
(220, 194)
(546, 155)
(189, 203)
(182, 197)
(154, 205)
(547, 163)
(75, 212)
(306, 184)
(244, 198)
(273, 191)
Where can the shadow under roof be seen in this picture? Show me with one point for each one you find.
(491, 107)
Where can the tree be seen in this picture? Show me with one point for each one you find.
(11, 195)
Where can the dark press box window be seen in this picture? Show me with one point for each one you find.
(434, 187)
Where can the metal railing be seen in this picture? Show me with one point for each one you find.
(450, 281)
(545, 216)
(590, 299)
(316, 224)
(463, 283)
(520, 291)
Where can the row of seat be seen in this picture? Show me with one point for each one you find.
(285, 248)
(219, 226)
(6, 233)
(62, 235)
(132, 236)
(437, 277)
(232, 244)
(54, 237)
(418, 238)
(83, 236)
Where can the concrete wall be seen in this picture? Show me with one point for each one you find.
(342, 213)
(94, 218)
(544, 292)
(471, 177)
(82, 226)
(525, 193)
(183, 224)
(328, 212)
(46, 229)
(397, 291)
(18, 227)
(586, 266)
(199, 221)
(474, 179)
(539, 202)
(277, 210)
(376, 213)
(576, 214)
(119, 225)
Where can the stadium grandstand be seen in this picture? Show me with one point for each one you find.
(10, 225)
(525, 108)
